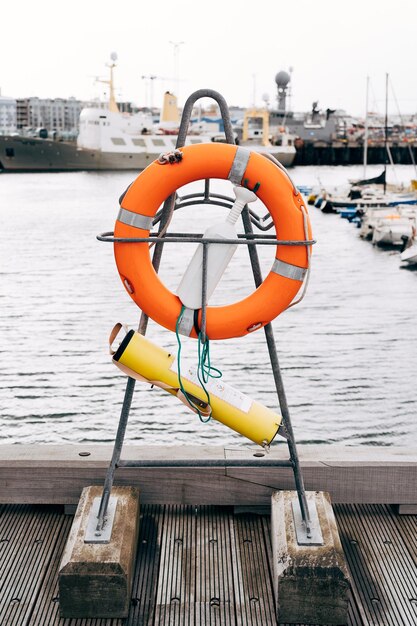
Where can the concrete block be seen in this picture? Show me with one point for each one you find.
(95, 580)
(311, 582)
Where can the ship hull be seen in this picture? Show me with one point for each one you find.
(21, 154)
(24, 154)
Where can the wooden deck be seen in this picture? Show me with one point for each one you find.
(207, 565)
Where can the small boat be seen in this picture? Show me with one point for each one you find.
(306, 190)
(327, 206)
(324, 202)
(372, 217)
(374, 191)
(369, 216)
(348, 213)
(409, 253)
(391, 229)
(371, 196)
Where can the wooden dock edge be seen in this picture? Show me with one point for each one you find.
(56, 474)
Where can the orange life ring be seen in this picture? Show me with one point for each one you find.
(203, 161)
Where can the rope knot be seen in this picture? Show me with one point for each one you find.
(205, 371)
(175, 156)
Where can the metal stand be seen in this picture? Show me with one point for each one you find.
(249, 218)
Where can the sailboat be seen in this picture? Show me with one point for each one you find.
(372, 192)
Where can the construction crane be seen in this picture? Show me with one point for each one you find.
(150, 78)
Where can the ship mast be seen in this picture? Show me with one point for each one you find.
(386, 134)
(112, 100)
(365, 139)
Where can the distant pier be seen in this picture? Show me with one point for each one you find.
(351, 153)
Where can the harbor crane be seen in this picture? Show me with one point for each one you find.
(150, 78)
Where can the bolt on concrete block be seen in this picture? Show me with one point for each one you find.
(311, 582)
(95, 579)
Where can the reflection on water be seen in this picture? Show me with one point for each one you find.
(348, 352)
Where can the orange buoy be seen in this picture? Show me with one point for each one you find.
(241, 166)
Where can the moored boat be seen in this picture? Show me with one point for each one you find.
(393, 228)
(409, 255)
(409, 252)
(372, 196)
(386, 225)
(111, 140)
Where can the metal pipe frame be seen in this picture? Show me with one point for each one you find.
(247, 239)
(251, 240)
(224, 463)
(130, 386)
(263, 223)
(279, 384)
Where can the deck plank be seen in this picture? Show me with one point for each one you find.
(27, 554)
(383, 569)
(407, 527)
(174, 581)
(254, 575)
(205, 566)
(215, 600)
(147, 569)
(46, 609)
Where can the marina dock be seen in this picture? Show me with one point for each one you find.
(204, 554)
(351, 153)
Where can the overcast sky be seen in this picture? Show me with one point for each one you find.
(54, 49)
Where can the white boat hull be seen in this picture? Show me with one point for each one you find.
(392, 234)
(409, 255)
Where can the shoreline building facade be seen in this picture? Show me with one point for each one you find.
(8, 117)
(54, 114)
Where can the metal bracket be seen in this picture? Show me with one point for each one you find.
(103, 534)
(315, 536)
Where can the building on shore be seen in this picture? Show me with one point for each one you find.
(8, 122)
(54, 114)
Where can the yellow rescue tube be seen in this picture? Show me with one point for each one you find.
(140, 358)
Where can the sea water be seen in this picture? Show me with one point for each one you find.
(348, 351)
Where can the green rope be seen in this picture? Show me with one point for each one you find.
(205, 371)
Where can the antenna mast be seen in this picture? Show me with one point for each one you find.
(112, 100)
(386, 132)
